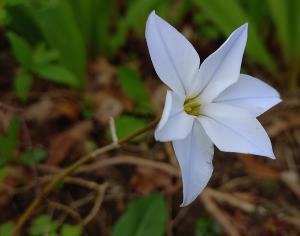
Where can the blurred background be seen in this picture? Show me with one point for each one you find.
(67, 66)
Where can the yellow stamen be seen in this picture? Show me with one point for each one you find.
(192, 106)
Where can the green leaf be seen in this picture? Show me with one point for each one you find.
(6, 229)
(280, 14)
(3, 172)
(22, 22)
(173, 12)
(58, 25)
(43, 56)
(23, 84)
(257, 9)
(8, 142)
(71, 230)
(59, 74)
(206, 227)
(137, 12)
(33, 156)
(132, 85)
(4, 17)
(104, 12)
(84, 12)
(21, 49)
(286, 17)
(43, 225)
(13, 2)
(221, 15)
(126, 125)
(146, 216)
(295, 29)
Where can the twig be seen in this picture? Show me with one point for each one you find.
(118, 160)
(69, 170)
(281, 126)
(86, 199)
(113, 130)
(100, 196)
(179, 217)
(170, 153)
(70, 211)
(291, 220)
(291, 179)
(81, 182)
(220, 216)
(121, 160)
(236, 202)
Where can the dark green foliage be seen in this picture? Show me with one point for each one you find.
(8, 142)
(207, 227)
(146, 216)
(132, 85)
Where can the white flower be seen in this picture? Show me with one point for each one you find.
(209, 104)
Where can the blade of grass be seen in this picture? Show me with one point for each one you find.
(59, 28)
(221, 14)
(280, 15)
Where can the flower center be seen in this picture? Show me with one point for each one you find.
(192, 106)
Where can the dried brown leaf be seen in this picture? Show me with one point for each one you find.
(63, 143)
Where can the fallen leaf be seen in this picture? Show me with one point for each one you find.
(63, 143)
(68, 109)
(41, 111)
(147, 180)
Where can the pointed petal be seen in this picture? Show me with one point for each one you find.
(178, 126)
(174, 58)
(251, 94)
(194, 154)
(222, 68)
(173, 105)
(233, 129)
(175, 123)
(167, 110)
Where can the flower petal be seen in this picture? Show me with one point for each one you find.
(174, 58)
(194, 154)
(167, 110)
(222, 68)
(175, 123)
(173, 105)
(251, 94)
(178, 126)
(233, 129)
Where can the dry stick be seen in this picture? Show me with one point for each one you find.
(69, 170)
(214, 210)
(70, 211)
(120, 160)
(100, 197)
(235, 201)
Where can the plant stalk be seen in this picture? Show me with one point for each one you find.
(69, 170)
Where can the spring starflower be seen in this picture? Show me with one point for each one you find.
(208, 104)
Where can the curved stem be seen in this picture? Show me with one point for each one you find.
(69, 170)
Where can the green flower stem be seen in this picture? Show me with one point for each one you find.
(69, 170)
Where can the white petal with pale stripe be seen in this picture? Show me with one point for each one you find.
(174, 58)
(194, 154)
(233, 129)
(222, 68)
(251, 94)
